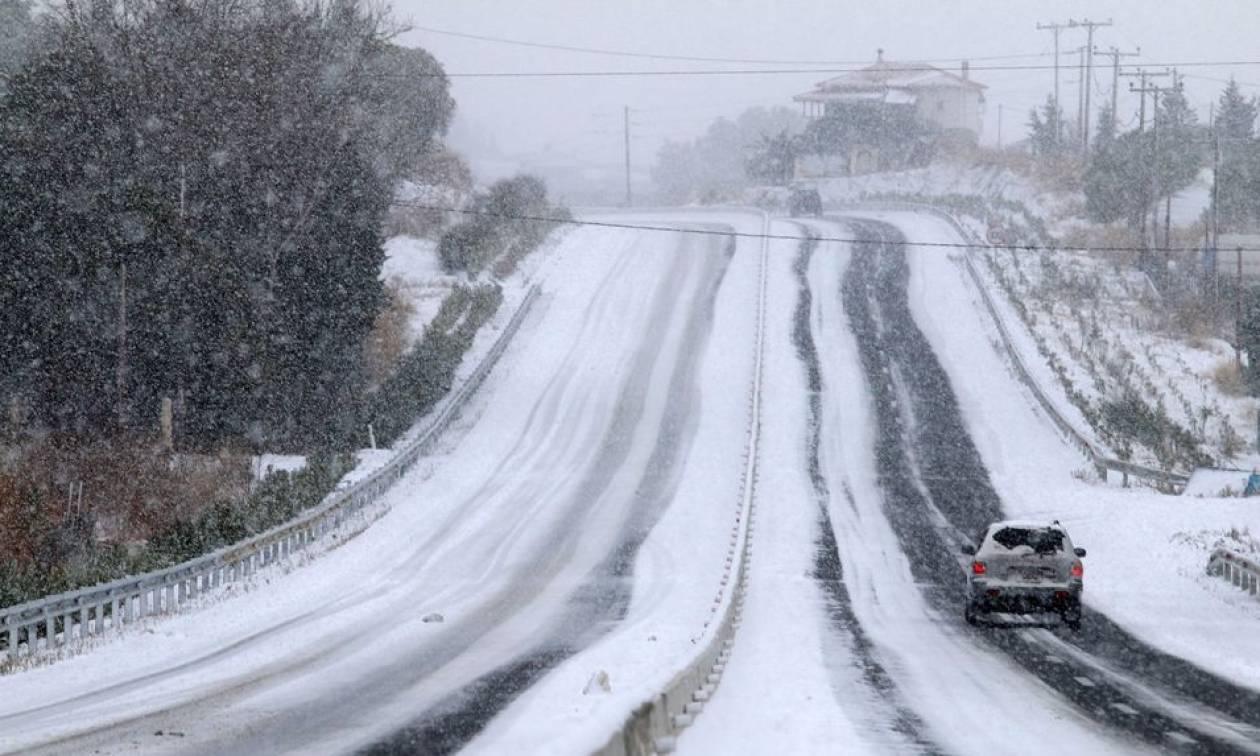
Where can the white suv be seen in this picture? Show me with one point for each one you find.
(1025, 568)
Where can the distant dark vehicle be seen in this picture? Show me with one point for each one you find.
(1025, 568)
(804, 201)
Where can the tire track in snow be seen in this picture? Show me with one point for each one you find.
(930, 469)
(828, 570)
(603, 598)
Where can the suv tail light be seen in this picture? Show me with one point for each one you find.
(977, 567)
(1078, 569)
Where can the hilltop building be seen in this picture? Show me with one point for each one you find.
(951, 104)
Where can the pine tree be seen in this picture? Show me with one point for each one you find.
(1107, 175)
(1180, 152)
(1046, 129)
(1236, 179)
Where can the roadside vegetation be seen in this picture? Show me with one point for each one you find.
(193, 204)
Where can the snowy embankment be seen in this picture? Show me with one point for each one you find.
(1147, 552)
(1061, 209)
(1093, 323)
(1110, 339)
(500, 541)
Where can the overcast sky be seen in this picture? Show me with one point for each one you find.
(582, 116)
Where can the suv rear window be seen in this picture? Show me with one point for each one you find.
(1040, 540)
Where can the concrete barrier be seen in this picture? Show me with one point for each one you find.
(653, 727)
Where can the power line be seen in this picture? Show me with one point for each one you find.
(909, 68)
(1221, 81)
(783, 237)
(691, 58)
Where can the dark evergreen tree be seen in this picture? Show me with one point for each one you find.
(1108, 174)
(190, 204)
(1236, 178)
(772, 158)
(1179, 147)
(1045, 129)
(894, 130)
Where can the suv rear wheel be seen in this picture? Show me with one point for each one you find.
(1072, 615)
(971, 613)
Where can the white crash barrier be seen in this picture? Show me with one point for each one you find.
(1236, 569)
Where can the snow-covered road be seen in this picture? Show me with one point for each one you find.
(843, 646)
(525, 536)
(572, 540)
(938, 493)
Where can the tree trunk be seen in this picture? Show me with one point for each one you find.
(121, 376)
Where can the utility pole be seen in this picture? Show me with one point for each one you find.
(1168, 201)
(629, 197)
(1081, 90)
(999, 125)
(1238, 312)
(1155, 165)
(1116, 55)
(1216, 189)
(1214, 228)
(1143, 75)
(1089, 69)
(1056, 28)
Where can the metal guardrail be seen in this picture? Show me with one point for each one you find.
(73, 617)
(1102, 462)
(654, 726)
(1235, 568)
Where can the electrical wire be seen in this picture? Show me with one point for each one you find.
(712, 72)
(690, 58)
(783, 237)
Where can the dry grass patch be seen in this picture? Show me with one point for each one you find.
(1228, 378)
(390, 336)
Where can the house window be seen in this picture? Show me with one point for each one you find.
(940, 105)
